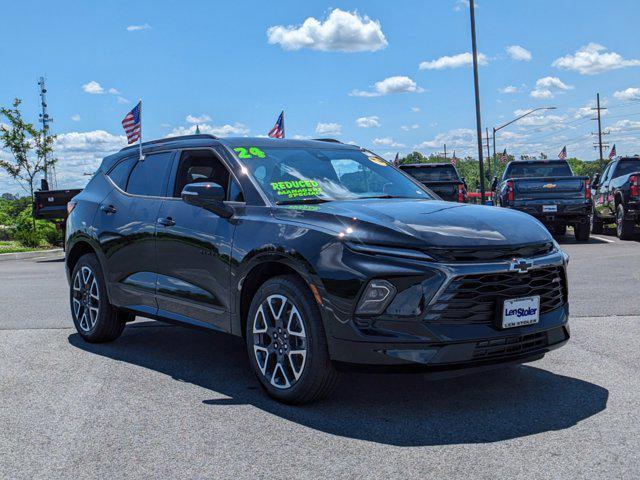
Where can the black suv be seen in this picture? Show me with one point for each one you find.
(321, 255)
(441, 178)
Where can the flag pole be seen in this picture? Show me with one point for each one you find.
(140, 139)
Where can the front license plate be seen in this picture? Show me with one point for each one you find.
(549, 208)
(520, 311)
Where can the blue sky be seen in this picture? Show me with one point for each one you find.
(392, 76)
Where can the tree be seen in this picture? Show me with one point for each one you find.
(20, 138)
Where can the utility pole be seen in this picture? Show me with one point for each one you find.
(488, 151)
(477, 90)
(45, 119)
(599, 119)
(445, 150)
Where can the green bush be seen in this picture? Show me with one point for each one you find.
(29, 238)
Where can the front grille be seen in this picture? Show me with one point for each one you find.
(487, 254)
(510, 346)
(473, 299)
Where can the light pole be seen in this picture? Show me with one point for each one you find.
(477, 90)
(495, 129)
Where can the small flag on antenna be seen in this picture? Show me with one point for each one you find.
(278, 129)
(563, 153)
(612, 153)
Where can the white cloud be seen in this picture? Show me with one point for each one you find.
(76, 117)
(408, 128)
(329, 129)
(630, 93)
(397, 84)
(120, 99)
(516, 52)
(300, 137)
(462, 139)
(461, 5)
(593, 59)
(453, 61)
(538, 119)
(341, 31)
(415, 109)
(201, 119)
(93, 87)
(368, 122)
(113, 91)
(622, 125)
(508, 89)
(547, 87)
(387, 142)
(165, 125)
(138, 28)
(226, 130)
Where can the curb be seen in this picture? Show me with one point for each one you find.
(24, 255)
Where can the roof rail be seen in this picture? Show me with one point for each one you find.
(171, 139)
(330, 140)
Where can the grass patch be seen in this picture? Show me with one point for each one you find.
(11, 246)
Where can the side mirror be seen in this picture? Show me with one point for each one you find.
(207, 195)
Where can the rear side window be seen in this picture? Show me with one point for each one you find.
(625, 167)
(120, 173)
(444, 173)
(149, 176)
(539, 169)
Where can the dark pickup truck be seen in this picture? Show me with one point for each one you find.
(616, 197)
(441, 178)
(549, 191)
(52, 205)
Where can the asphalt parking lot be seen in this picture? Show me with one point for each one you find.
(168, 402)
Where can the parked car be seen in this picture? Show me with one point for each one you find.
(441, 178)
(320, 254)
(52, 205)
(616, 197)
(549, 191)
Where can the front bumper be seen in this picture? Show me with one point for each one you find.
(419, 343)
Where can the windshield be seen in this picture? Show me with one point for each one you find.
(542, 169)
(441, 173)
(625, 167)
(314, 175)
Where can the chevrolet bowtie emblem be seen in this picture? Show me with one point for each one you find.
(549, 185)
(520, 265)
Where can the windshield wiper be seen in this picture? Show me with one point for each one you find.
(383, 196)
(303, 201)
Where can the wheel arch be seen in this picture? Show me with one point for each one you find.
(256, 275)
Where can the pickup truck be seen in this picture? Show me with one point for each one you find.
(549, 191)
(441, 178)
(616, 197)
(52, 205)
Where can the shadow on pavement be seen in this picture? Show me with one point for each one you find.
(401, 410)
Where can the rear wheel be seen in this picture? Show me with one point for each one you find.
(286, 342)
(582, 231)
(597, 226)
(560, 230)
(95, 319)
(624, 228)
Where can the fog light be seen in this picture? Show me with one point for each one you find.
(375, 298)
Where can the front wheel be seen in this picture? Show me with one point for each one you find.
(624, 228)
(597, 226)
(95, 319)
(286, 342)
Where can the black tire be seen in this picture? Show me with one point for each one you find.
(624, 228)
(95, 319)
(315, 377)
(582, 231)
(597, 225)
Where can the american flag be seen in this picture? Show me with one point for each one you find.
(132, 124)
(612, 153)
(504, 157)
(396, 161)
(278, 129)
(454, 160)
(563, 153)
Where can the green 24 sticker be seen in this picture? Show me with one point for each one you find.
(251, 152)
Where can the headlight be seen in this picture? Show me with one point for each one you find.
(375, 298)
(390, 251)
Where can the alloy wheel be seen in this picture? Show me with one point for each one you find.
(86, 298)
(279, 341)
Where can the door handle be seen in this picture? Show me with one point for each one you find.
(166, 221)
(108, 209)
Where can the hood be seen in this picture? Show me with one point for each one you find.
(419, 223)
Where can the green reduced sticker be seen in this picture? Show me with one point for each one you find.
(251, 152)
(297, 188)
